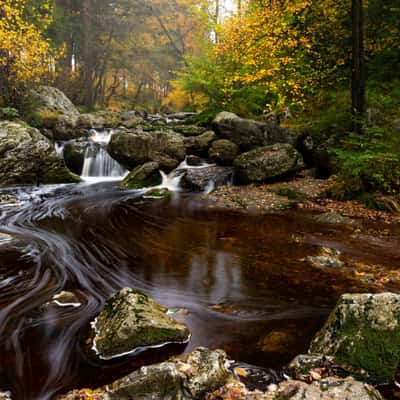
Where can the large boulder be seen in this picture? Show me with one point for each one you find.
(135, 148)
(206, 178)
(188, 377)
(106, 119)
(145, 175)
(267, 163)
(249, 134)
(51, 110)
(199, 145)
(27, 157)
(363, 332)
(131, 320)
(223, 152)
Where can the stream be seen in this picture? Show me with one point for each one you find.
(237, 280)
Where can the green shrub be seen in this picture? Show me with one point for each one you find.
(9, 113)
(367, 164)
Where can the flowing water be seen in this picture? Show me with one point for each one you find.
(237, 280)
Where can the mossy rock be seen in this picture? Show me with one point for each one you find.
(158, 194)
(145, 175)
(363, 332)
(131, 320)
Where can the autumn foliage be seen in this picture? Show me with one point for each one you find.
(25, 54)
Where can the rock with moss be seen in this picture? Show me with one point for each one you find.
(102, 120)
(136, 147)
(249, 134)
(189, 377)
(158, 194)
(145, 175)
(223, 152)
(48, 108)
(130, 321)
(190, 130)
(27, 157)
(363, 332)
(266, 163)
(199, 145)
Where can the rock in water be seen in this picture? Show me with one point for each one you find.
(268, 162)
(145, 175)
(132, 320)
(134, 148)
(200, 179)
(188, 377)
(27, 157)
(363, 332)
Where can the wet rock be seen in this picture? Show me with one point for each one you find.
(5, 395)
(334, 219)
(331, 388)
(189, 130)
(145, 175)
(135, 148)
(5, 238)
(266, 163)
(199, 179)
(326, 258)
(105, 119)
(304, 363)
(158, 194)
(132, 320)
(194, 161)
(187, 377)
(66, 299)
(363, 332)
(249, 134)
(223, 152)
(199, 145)
(74, 155)
(50, 109)
(182, 116)
(27, 157)
(8, 199)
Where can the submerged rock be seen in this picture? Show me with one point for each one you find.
(135, 148)
(200, 179)
(327, 257)
(363, 332)
(132, 320)
(145, 175)
(27, 157)
(65, 299)
(223, 152)
(187, 377)
(267, 163)
(334, 219)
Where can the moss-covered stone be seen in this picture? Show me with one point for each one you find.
(363, 332)
(130, 320)
(223, 152)
(158, 194)
(145, 175)
(27, 157)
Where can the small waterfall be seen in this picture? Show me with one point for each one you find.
(99, 164)
(59, 146)
(172, 181)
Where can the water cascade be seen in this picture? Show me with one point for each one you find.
(98, 164)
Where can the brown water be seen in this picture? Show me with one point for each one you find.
(238, 278)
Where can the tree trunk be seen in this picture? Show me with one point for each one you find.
(87, 54)
(358, 66)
